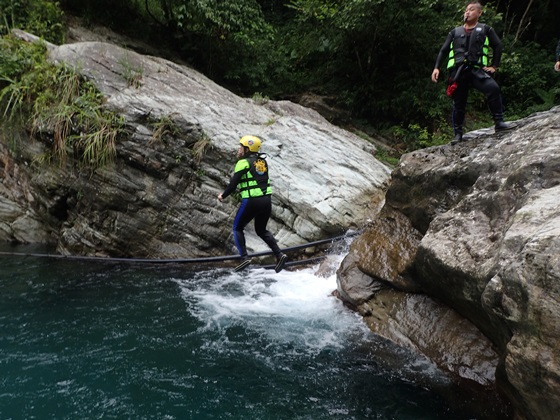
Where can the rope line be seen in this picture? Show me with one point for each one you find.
(182, 260)
(297, 262)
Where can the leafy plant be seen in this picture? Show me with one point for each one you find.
(132, 74)
(259, 98)
(97, 142)
(40, 17)
(164, 127)
(383, 155)
(200, 147)
(417, 137)
(526, 79)
(56, 105)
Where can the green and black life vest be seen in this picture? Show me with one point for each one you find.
(254, 182)
(475, 54)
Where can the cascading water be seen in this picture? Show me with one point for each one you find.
(90, 340)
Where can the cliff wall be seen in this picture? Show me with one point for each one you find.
(158, 199)
(472, 230)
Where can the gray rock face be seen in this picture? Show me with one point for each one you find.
(483, 221)
(159, 197)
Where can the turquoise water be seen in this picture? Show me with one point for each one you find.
(88, 340)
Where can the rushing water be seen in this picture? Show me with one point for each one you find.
(85, 340)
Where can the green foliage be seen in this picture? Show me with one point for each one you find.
(17, 60)
(200, 147)
(415, 137)
(374, 56)
(384, 156)
(228, 40)
(163, 128)
(259, 98)
(98, 138)
(240, 21)
(55, 104)
(315, 9)
(40, 17)
(117, 14)
(131, 73)
(527, 79)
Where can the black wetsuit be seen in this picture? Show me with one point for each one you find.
(471, 75)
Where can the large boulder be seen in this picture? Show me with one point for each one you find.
(483, 223)
(159, 197)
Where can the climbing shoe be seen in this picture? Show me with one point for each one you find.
(243, 265)
(281, 262)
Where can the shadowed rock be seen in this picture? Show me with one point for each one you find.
(483, 226)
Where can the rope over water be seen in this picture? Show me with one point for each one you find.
(189, 260)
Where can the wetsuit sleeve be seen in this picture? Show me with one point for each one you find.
(497, 47)
(444, 51)
(241, 169)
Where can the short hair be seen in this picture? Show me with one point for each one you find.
(475, 2)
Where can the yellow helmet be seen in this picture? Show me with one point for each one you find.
(252, 142)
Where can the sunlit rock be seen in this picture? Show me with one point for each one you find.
(159, 197)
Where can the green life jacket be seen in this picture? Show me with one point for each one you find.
(475, 54)
(254, 182)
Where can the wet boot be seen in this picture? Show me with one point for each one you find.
(458, 135)
(500, 125)
(245, 262)
(280, 262)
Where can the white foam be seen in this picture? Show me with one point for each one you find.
(289, 307)
(288, 314)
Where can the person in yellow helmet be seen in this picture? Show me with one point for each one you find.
(251, 175)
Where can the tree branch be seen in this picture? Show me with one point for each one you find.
(520, 28)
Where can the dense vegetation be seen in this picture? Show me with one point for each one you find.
(370, 58)
(54, 104)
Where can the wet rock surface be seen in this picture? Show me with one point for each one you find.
(485, 242)
(158, 199)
